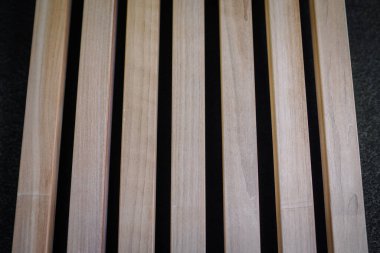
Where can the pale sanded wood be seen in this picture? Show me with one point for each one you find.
(37, 187)
(240, 175)
(293, 182)
(188, 207)
(89, 184)
(345, 217)
(139, 137)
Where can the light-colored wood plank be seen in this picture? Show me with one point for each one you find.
(345, 217)
(36, 197)
(139, 138)
(89, 186)
(240, 174)
(188, 207)
(293, 182)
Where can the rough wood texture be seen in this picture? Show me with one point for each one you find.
(294, 195)
(89, 186)
(345, 217)
(240, 175)
(188, 207)
(36, 197)
(139, 141)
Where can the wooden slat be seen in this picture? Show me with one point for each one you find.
(188, 128)
(240, 175)
(138, 161)
(294, 195)
(36, 197)
(345, 217)
(89, 186)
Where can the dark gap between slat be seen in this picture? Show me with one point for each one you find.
(312, 111)
(163, 184)
(116, 132)
(214, 162)
(68, 125)
(268, 225)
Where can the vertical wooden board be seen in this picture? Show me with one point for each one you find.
(240, 174)
(188, 207)
(294, 195)
(89, 186)
(345, 217)
(36, 197)
(139, 138)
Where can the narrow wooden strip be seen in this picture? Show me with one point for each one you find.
(37, 187)
(240, 175)
(139, 141)
(345, 217)
(89, 186)
(188, 205)
(294, 195)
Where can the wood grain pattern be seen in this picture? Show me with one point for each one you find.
(294, 195)
(139, 138)
(37, 187)
(89, 186)
(345, 217)
(188, 207)
(240, 172)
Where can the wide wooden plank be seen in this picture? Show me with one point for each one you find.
(240, 175)
(37, 187)
(139, 138)
(345, 217)
(293, 182)
(188, 205)
(89, 186)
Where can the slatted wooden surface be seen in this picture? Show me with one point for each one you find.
(346, 231)
(294, 193)
(242, 227)
(240, 181)
(89, 184)
(138, 159)
(36, 197)
(188, 205)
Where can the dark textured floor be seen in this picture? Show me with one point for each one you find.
(16, 24)
(364, 33)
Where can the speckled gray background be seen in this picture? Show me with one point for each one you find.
(16, 22)
(363, 19)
